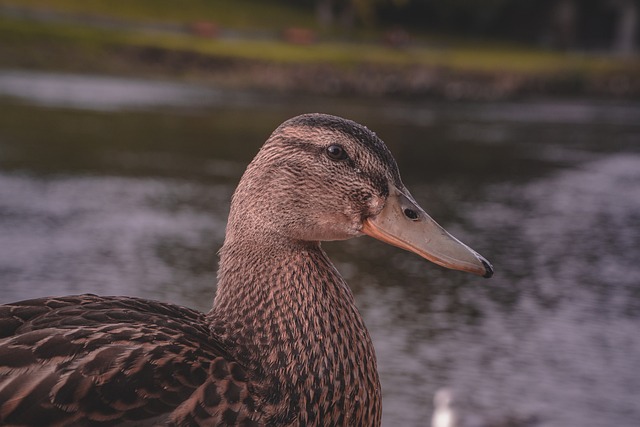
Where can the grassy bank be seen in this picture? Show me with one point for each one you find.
(242, 14)
(426, 66)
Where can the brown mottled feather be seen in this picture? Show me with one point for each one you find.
(284, 343)
(105, 360)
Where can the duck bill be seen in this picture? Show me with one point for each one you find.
(404, 224)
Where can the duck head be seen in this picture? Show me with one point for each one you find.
(320, 177)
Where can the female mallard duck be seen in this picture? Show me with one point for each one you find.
(284, 343)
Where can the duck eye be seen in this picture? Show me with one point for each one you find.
(336, 152)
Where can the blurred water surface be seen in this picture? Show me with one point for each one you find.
(114, 191)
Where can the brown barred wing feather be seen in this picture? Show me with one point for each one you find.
(89, 360)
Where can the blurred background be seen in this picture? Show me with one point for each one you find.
(125, 126)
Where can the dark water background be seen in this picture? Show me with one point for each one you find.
(122, 187)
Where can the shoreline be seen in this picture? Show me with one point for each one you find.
(459, 72)
(373, 80)
(361, 80)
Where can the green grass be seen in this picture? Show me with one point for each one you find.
(231, 13)
(487, 59)
(50, 46)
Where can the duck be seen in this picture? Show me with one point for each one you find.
(284, 343)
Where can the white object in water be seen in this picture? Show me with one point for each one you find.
(443, 413)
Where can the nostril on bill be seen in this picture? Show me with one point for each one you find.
(411, 214)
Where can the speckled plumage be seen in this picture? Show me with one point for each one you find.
(90, 360)
(284, 344)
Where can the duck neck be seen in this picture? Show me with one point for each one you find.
(286, 293)
(289, 311)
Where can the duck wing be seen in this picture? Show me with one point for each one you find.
(90, 360)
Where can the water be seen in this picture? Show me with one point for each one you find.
(131, 198)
